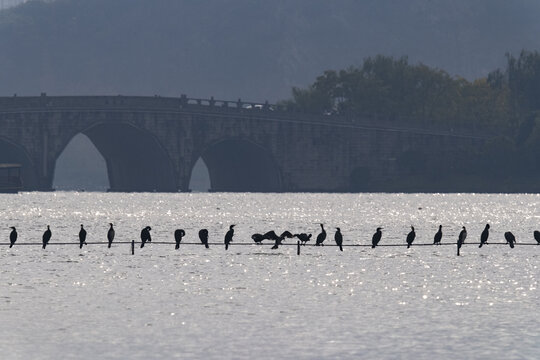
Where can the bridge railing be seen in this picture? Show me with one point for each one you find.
(245, 108)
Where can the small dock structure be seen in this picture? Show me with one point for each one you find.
(10, 178)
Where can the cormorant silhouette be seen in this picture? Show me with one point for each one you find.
(12, 236)
(110, 235)
(303, 237)
(145, 236)
(321, 237)
(279, 239)
(339, 238)
(287, 234)
(228, 236)
(484, 236)
(271, 235)
(203, 235)
(82, 237)
(410, 237)
(510, 239)
(178, 235)
(258, 238)
(46, 236)
(461, 239)
(537, 236)
(438, 236)
(462, 236)
(376, 238)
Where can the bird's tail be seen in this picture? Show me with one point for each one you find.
(142, 244)
(80, 245)
(408, 245)
(227, 246)
(373, 246)
(177, 246)
(340, 247)
(10, 245)
(44, 245)
(110, 243)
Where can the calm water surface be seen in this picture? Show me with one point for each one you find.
(252, 302)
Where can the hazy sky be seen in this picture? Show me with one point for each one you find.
(250, 49)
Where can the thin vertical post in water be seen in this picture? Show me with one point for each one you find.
(298, 248)
(132, 247)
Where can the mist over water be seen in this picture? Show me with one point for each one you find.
(250, 301)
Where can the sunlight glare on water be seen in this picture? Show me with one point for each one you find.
(254, 302)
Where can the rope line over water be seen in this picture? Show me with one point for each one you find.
(254, 244)
(298, 244)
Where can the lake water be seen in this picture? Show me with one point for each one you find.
(254, 302)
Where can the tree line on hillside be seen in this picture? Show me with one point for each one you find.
(506, 102)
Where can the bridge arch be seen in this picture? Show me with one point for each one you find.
(240, 165)
(11, 153)
(135, 159)
(360, 179)
(81, 166)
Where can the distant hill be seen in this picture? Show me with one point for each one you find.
(4, 4)
(253, 49)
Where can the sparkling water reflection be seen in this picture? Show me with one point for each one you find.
(252, 302)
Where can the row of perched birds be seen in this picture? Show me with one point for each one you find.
(510, 238)
(278, 239)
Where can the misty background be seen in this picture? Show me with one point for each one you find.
(256, 50)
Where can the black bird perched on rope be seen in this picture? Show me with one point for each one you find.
(203, 235)
(376, 238)
(484, 236)
(228, 236)
(537, 236)
(303, 237)
(321, 237)
(339, 238)
(438, 236)
(270, 235)
(510, 239)
(258, 238)
(46, 237)
(110, 235)
(12, 236)
(287, 234)
(82, 237)
(410, 237)
(461, 239)
(178, 235)
(145, 236)
(279, 239)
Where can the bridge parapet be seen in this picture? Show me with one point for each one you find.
(236, 109)
(126, 102)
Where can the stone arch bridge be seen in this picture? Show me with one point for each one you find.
(152, 144)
